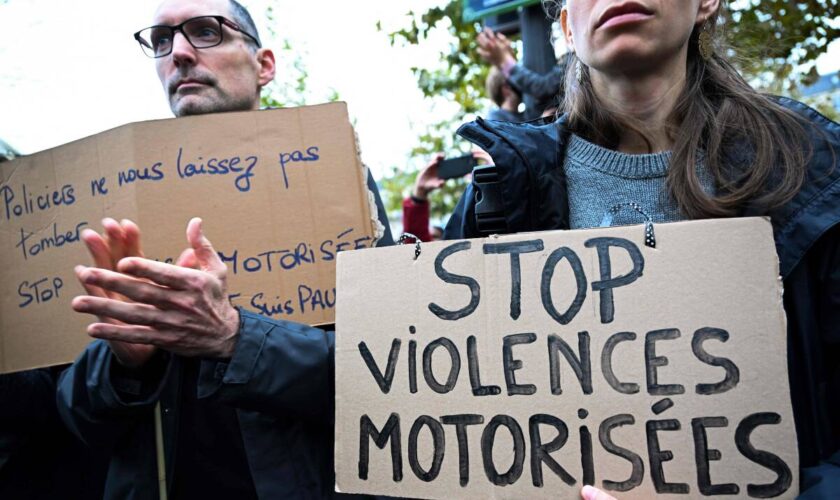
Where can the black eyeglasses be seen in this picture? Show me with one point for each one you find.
(201, 32)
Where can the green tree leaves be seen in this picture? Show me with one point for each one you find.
(778, 41)
(775, 45)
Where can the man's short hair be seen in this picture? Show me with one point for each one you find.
(243, 18)
(495, 81)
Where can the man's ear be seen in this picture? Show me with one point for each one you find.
(567, 29)
(265, 58)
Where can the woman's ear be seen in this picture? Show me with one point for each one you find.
(706, 9)
(567, 29)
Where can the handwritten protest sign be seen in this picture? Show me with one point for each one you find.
(280, 191)
(526, 366)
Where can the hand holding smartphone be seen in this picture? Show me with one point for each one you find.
(459, 166)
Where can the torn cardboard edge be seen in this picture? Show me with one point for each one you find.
(376, 224)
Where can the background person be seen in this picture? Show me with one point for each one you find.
(416, 207)
(654, 114)
(246, 402)
(506, 99)
(547, 89)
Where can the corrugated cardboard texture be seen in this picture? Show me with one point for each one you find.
(280, 192)
(703, 367)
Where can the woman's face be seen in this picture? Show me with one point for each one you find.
(628, 36)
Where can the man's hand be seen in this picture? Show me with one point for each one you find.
(592, 493)
(495, 49)
(427, 180)
(119, 240)
(182, 310)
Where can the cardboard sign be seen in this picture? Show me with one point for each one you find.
(281, 192)
(526, 366)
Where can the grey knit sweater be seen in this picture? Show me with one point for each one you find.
(600, 179)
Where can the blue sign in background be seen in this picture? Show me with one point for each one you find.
(479, 9)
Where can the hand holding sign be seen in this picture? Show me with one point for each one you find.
(592, 493)
(185, 311)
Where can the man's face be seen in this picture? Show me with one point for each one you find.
(227, 77)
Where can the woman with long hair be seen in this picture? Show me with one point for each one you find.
(656, 116)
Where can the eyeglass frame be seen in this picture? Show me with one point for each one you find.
(223, 21)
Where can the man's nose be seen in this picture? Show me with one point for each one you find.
(182, 51)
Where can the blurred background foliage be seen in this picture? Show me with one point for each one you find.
(774, 43)
(289, 86)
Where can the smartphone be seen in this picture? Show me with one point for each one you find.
(459, 166)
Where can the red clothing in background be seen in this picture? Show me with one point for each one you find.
(416, 218)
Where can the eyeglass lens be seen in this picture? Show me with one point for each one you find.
(201, 32)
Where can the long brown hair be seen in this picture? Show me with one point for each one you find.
(755, 149)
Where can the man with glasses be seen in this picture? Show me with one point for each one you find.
(215, 65)
(240, 406)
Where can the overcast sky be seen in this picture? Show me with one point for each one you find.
(69, 69)
(72, 69)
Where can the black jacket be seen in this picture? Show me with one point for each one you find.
(547, 89)
(529, 159)
(279, 381)
(34, 444)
